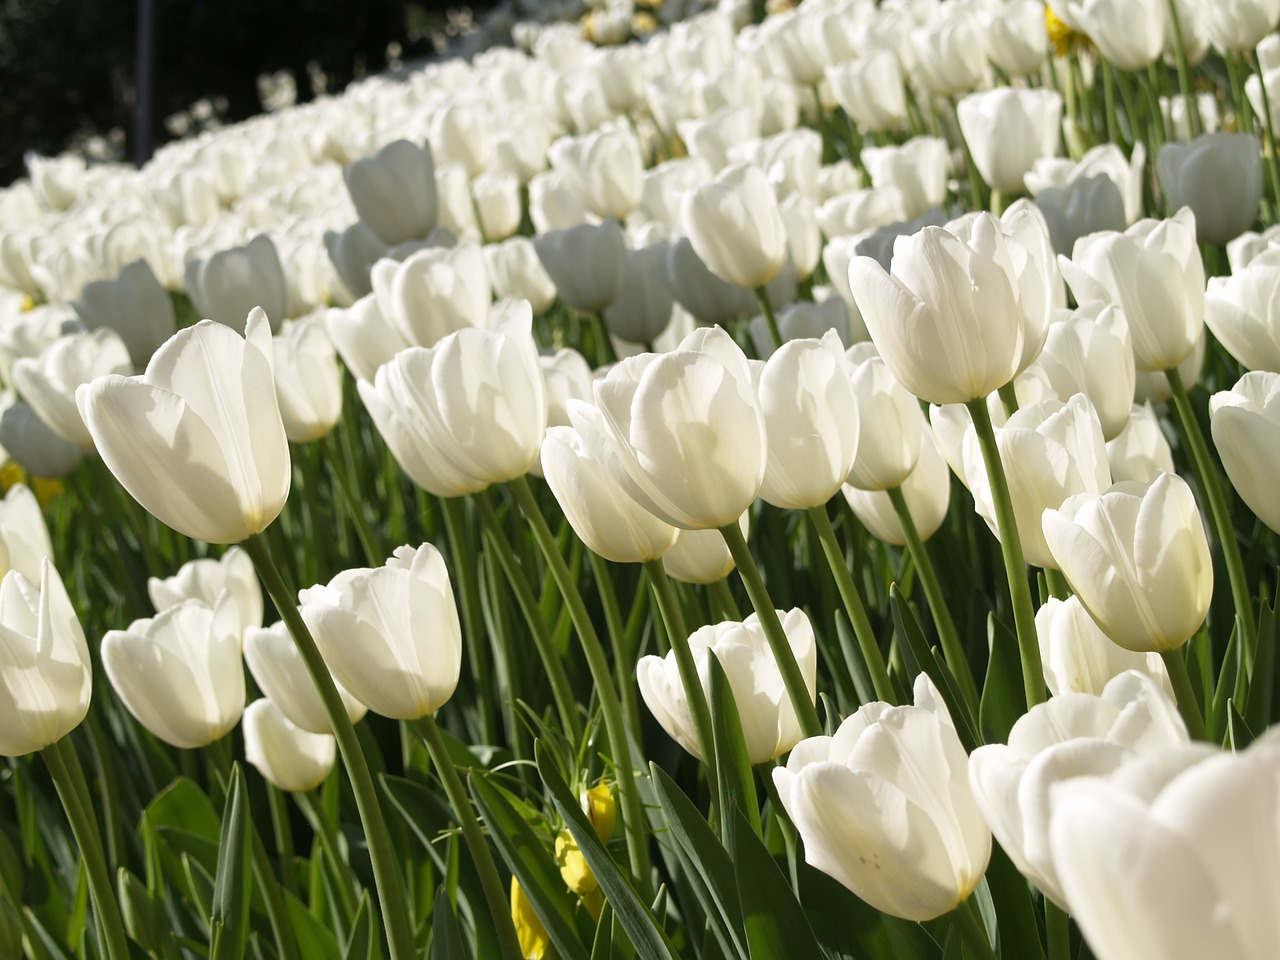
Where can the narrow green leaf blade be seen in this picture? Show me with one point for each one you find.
(230, 915)
(775, 923)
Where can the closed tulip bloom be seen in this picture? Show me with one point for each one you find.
(807, 398)
(1154, 274)
(134, 305)
(1051, 451)
(207, 579)
(1176, 863)
(567, 376)
(1016, 38)
(1072, 735)
(363, 336)
(1008, 130)
(353, 252)
(1219, 176)
(23, 532)
(605, 168)
(48, 382)
(281, 673)
(711, 300)
(1138, 559)
(588, 263)
(769, 724)
(1141, 451)
(951, 55)
(1079, 207)
(497, 197)
(643, 306)
(1239, 25)
(1089, 351)
(198, 439)
(889, 423)
(308, 380)
(394, 191)
(516, 271)
(602, 514)
(1129, 33)
(288, 757)
(390, 634)
(552, 203)
(1246, 425)
(926, 489)
(947, 320)
(466, 413)
(45, 671)
(1079, 658)
(803, 320)
(231, 283)
(701, 556)
(804, 238)
(870, 90)
(37, 449)
(1152, 386)
(1243, 311)
(884, 807)
(180, 673)
(435, 292)
(458, 135)
(687, 430)
(917, 169)
(735, 226)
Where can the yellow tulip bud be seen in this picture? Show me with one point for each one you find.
(529, 929)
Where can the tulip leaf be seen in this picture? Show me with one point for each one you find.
(733, 768)
(200, 884)
(863, 688)
(1260, 697)
(1239, 734)
(229, 919)
(184, 805)
(1004, 697)
(602, 944)
(527, 858)
(446, 937)
(707, 863)
(773, 920)
(1019, 932)
(315, 941)
(1225, 689)
(360, 943)
(923, 659)
(650, 940)
(847, 926)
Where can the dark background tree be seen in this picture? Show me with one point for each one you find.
(67, 66)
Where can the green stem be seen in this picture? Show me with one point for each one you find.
(552, 662)
(952, 648)
(60, 758)
(318, 552)
(283, 833)
(1015, 567)
(771, 321)
(678, 634)
(1220, 513)
(1184, 74)
(633, 819)
(1109, 102)
(1188, 706)
(966, 923)
(971, 168)
(1057, 931)
(871, 654)
(327, 838)
(792, 678)
(722, 598)
(1244, 113)
(1058, 586)
(465, 568)
(277, 912)
(382, 856)
(355, 510)
(1009, 399)
(481, 855)
(1268, 127)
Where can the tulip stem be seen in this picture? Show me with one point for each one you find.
(327, 840)
(490, 881)
(771, 321)
(63, 764)
(1008, 399)
(552, 662)
(678, 634)
(722, 597)
(966, 923)
(1268, 128)
(633, 820)
(1109, 102)
(354, 507)
(1184, 74)
(382, 856)
(1188, 705)
(1220, 512)
(1057, 931)
(871, 653)
(952, 649)
(792, 678)
(1015, 567)
(1059, 589)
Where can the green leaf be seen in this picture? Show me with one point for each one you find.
(922, 659)
(733, 768)
(1239, 734)
(1260, 698)
(1019, 931)
(1225, 689)
(847, 926)
(774, 921)
(446, 938)
(602, 944)
(528, 859)
(650, 940)
(184, 805)
(315, 942)
(706, 861)
(1004, 697)
(200, 883)
(229, 920)
(360, 943)
(138, 910)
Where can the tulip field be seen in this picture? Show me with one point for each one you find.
(702, 481)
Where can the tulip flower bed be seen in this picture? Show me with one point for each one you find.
(794, 489)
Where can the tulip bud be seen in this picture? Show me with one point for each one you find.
(926, 490)
(604, 168)
(353, 252)
(642, 309)
(1138, 558)
(207, 580)
(394, 192)
(1243, 311)
(588, 263)
(735, 227)
(1129, 33)
(434, 292)
(769, 724)
(1141, 450)
(281, 673)
(917, 170)
(870, 90)
(134, 305)
(363, 336)
(890, 424)
(198, 439)
(884, 807)
(467, 412)
(390, 634)
(515, 271)
(1079, 658)
(1237, 26)
(1089, 351)
(45, 672)
(23, 532)
(180, 673)
(1008, 129)
(36, 448)
(308, 380)
(288, 757)
(49, 382)
(230, 284)
(553, 205)
(1219, 176)
(458, 136)
(1246, 424)
(951, 55)
(711, 300)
